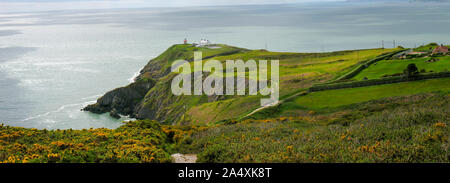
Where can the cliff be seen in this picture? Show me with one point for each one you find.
(150, 96)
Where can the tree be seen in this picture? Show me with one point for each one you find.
(411, 70)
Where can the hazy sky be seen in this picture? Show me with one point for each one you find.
(45, 5)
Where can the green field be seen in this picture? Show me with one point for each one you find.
(340, 97)
(297, 71)
(389, 67)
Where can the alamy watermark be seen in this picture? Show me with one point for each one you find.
(192, 83)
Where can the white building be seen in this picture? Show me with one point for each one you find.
(203, 42)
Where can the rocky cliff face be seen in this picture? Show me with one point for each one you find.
(122, 100)
(150, 96)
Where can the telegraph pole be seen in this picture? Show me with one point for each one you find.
(357, 55)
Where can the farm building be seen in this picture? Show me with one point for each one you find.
(440, 49)
(417, 53)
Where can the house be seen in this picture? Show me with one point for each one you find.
(402, 54)
(206, 44)
(440, 49)
(417, 53)
(203, 43)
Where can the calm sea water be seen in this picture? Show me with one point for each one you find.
(54, 63)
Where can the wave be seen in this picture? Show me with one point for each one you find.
(135, 75)
(93, 96)
(81, 105)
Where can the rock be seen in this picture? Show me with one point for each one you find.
(95, 108)
(122, 100)
(114, 114)
(184, 158)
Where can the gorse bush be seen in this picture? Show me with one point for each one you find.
(137, 141)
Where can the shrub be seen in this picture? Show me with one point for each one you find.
(212, 153)
(411, 70)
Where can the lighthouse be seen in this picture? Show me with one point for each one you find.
(185, 41)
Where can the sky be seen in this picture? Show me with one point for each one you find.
(48, 5)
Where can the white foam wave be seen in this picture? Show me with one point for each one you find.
(91, 97)
(47, 113)
(135, 75)
(80, 105)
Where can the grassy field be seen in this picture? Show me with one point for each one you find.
(211, 112)
(302, 69)
(297, 71)
(389, 67)
(339, 97)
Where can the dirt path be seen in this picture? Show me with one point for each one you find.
(279, 102)
(184, 158)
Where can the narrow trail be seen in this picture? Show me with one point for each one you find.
(184, 158)
(279, 102)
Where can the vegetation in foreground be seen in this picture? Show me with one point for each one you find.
(137, 141)
(400, 129)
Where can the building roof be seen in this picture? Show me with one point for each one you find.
(416, 53)
(440, 49)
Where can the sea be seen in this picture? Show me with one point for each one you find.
(53, 63)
